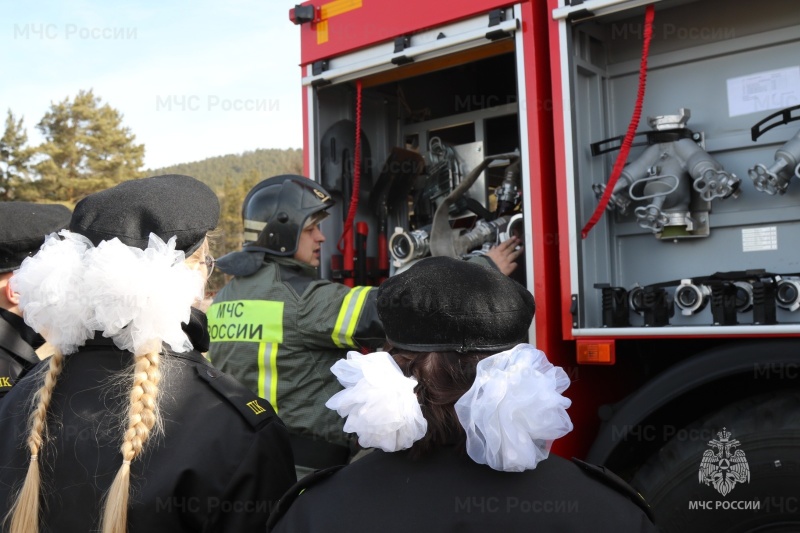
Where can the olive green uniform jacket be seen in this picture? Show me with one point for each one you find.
(279, 331)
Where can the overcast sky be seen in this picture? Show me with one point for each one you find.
(193, 79)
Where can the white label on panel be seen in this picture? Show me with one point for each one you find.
(759, 239)
(763, 91)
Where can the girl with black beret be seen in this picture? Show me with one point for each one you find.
(461, 412)
(127, 427)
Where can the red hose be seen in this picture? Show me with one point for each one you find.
(649, 15)
(345, 244)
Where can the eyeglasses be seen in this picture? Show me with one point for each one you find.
(210, 263)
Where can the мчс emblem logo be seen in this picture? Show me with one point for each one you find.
(724, 466)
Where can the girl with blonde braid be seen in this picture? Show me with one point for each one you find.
(127, 428)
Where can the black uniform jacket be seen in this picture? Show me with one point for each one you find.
(17, 344)
(220, 465)
(447, 493)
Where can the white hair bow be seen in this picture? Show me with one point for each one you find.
(139, 298)
(378, 401)
(511, 414)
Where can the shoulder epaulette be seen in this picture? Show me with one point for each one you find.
(5, 383)
(296, 490)
(254, 409)
(609, 478)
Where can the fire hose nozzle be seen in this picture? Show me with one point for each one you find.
(406, 246)
(787, 295)
(691, 298)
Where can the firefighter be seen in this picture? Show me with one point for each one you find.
(127, 427)
(462, 413)
(23, 227)
(278, 329)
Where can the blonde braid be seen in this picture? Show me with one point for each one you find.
(143, 416)
(23, 517)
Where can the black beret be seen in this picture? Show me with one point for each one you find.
(23, 227)
(171, 205)
(442, 304)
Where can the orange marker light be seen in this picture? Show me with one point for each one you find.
(596, 352)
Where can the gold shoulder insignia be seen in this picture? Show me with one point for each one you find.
(257, 409)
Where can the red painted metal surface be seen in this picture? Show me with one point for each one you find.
(559, 150)
(344, 26)
(306, 132)
(543, 243)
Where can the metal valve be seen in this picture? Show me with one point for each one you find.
(483, 232)
(617, 200)
(652, 218)
(776, 178)
(716, 183)
(672, 170)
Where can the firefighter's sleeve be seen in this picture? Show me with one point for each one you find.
(337, 316)
(483, 260)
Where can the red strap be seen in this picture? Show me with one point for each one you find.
(637, 113)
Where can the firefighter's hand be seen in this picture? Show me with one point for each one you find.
(505, 255)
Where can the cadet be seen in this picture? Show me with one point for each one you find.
(127, 427)
(23, 227)
(278, 329)
(463, 413)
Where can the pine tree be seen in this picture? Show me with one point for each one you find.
(228, 237)
(86, 149)
(15, 158)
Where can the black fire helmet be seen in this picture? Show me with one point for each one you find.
(276, 210)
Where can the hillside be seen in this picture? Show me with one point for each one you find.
(254, 166)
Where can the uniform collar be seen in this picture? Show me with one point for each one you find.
(25, 332)
(197, 330)
(293, 264)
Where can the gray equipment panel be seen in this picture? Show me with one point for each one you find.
(698, 47)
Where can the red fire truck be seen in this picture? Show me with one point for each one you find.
(646, 151)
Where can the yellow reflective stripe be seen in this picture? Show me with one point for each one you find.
(348, 317)
(342, 313)
(322, 31)
(262, 371)
(333, 9)
(337, 7)
(273, 364)
(246, 321)
(268, 372)
(252, 229)
(254, 225)
(356, 313)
